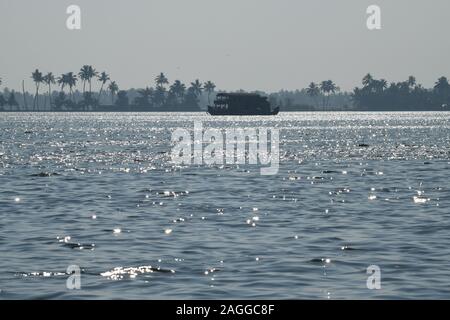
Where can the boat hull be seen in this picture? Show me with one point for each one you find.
(224, 112)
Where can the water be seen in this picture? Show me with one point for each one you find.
(353, 190)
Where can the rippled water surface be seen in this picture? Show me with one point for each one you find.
(99, 191)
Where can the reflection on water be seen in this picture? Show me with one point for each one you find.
(99, 191)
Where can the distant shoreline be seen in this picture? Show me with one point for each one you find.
(325, 96)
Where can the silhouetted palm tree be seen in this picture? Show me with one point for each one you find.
(161, 80)
(191, 98)
(378, 86)
(383, 84)
(61, 98)
(113, 88)
(442, 85)
(159, 96)
(411, 81)
(328, 87)
(209, 87)
(367, 80)
(62, 81)
(103, 78)
(313, 91)
(38, 79)
(178, 89)
(92, 74)
(197, 87)
(442, 92)
(86, 74)
(70, 80)
(49, 79)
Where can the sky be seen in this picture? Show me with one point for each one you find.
(238, 44)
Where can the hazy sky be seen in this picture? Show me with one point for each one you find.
(249, 44)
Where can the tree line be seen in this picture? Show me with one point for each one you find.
(375, 94)
(162, 96)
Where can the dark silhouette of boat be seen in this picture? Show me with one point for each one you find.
(241, 104)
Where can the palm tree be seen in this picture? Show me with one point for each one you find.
(411, 82)
(191, 98)
(328, 87)
(103, 78)
(197, 87)
(178, 89)
(38, 79)
(313, 91)
(209, 87)
(62, 81)
(61, 98)
(24, 96)
(442, 91)
(92, 74)
(161, 80)
(383, 84)
(113, 88)
(378, 86)
(71, 81)
(367, 80)
(159, 96)
(49, 79)
(86, 74)
(442, 85)
(324, 89)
